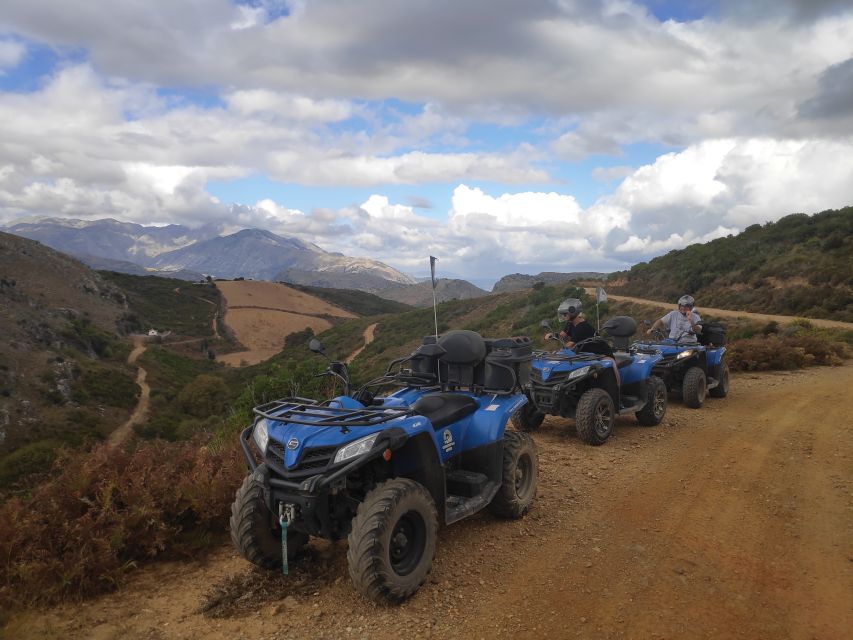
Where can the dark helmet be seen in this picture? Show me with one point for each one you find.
(569, 309)
(686, 301)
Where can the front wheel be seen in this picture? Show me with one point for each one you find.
(392, 541)
(254, 531)
(722, 388)
(656, 401)
(519, 476)
(594, 416)
(528, 418)
(694, 387)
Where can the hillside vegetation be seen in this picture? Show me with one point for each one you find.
(801, 265)
(359, 302)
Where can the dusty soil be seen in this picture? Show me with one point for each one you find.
(733, 521)
(727, 313)
(261, 314)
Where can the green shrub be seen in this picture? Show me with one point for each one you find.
(206, 395)
(33, 458)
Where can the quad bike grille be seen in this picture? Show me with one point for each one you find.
(314, 458)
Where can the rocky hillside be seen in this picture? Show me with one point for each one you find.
(420, 295)
(518, 281)
(59, 346)
(800, 265)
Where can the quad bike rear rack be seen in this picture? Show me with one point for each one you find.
(312, 413)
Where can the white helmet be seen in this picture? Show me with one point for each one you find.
(569, 309)
(686, 301)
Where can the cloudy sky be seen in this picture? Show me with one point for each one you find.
(498, 135)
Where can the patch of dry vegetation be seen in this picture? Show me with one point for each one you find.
(102, 511)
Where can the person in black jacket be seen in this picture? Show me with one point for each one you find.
(576, 329)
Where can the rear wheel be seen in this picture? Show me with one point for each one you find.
(519, 478)
(392, 541)
(694, 387)
(528, 418)
(656, 401)
(722, 388)
(254, 530)
(594, 416)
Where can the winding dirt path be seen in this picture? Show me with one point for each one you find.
(368, 338)
(733, 521)
(120, 435)
(728, 313)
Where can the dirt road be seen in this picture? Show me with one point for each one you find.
(369, 332)
(140, 413)
(727, 313)
(733, 521)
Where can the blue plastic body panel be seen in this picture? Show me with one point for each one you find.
(484, 426)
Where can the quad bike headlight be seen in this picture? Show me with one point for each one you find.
(356, 448)
(579, 373)
(685, 354)
(261, 436)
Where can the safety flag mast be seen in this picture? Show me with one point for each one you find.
(600, 296)
(432, 261)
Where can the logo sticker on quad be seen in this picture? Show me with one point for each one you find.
(292, 443)
(448, 441)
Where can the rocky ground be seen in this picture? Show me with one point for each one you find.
(733, 521)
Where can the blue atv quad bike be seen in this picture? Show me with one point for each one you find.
(690, 366)
(573, 384)
(383, 472)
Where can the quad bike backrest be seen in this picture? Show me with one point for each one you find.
(464, 350)
(713, 334)
(620, 328)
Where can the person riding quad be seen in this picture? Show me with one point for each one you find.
(576, 329)
(683, 323)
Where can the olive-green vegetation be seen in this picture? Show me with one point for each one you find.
(801, 265)
(166, 304)
(359, 302)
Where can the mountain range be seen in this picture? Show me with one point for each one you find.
(178, 251)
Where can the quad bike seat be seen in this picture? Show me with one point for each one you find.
(442, 409)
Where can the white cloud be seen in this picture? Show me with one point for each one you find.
(11, 53)
(289, 107)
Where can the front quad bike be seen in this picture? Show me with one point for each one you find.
(385, 471)
(582, 386)
(695, 368)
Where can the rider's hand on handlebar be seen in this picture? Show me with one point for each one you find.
(563, 335)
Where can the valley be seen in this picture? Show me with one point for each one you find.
(731, 521)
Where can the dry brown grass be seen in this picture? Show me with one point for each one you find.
(272, 295)
(261, 314)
